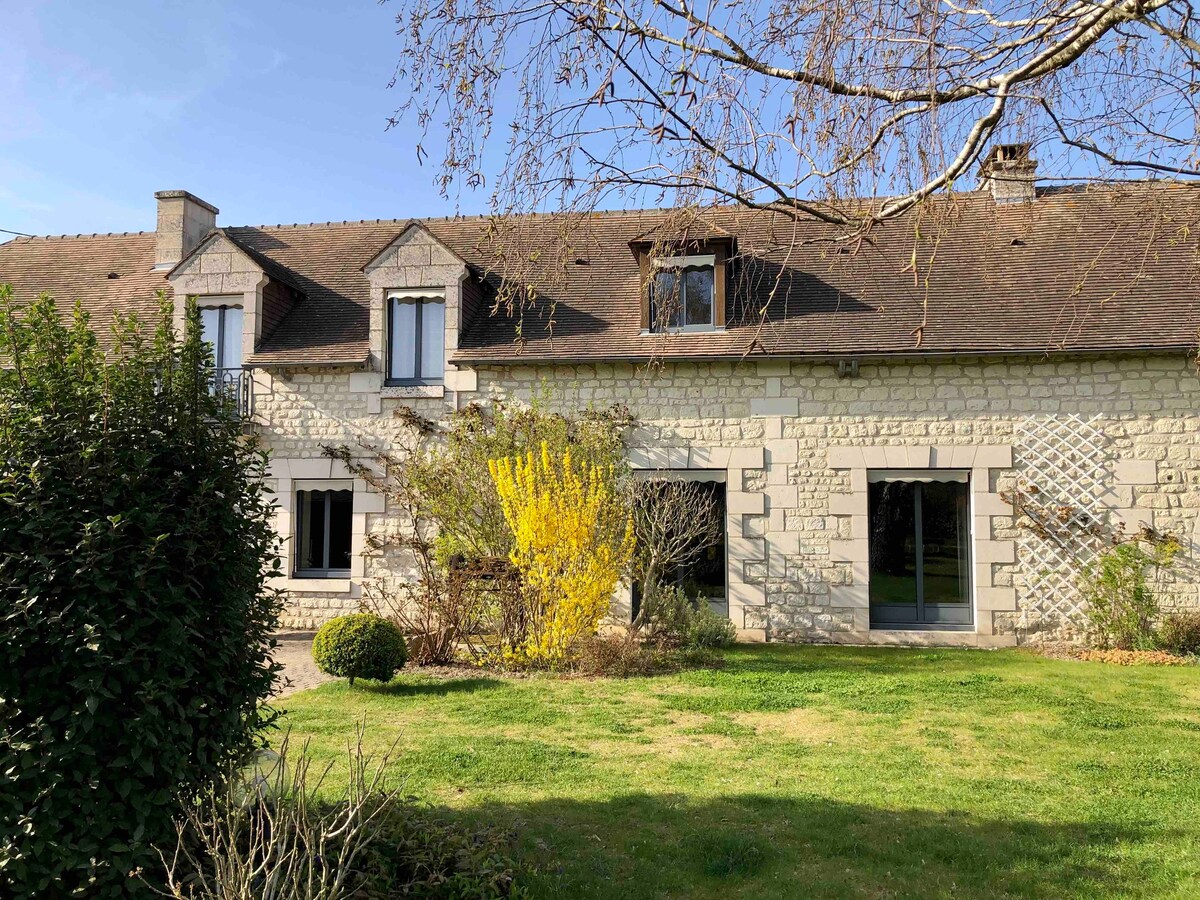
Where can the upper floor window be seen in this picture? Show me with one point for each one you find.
(683, 294)
(416, 345)
(221, 327)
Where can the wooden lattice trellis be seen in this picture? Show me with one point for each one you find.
(1065, 467)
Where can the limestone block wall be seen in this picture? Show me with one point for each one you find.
(796, 441)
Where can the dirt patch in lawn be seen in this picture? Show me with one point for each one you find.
(1114, 657)
(808, 726)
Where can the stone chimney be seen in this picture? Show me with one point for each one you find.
(1009, 174)
(183, 221)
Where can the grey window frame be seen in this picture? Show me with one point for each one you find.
(883, 618)
(419, 301)
(324, 572)
(678, 266)
(218, 345)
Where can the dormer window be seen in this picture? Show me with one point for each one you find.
(416, 346)
(681, 296)
(684, 291)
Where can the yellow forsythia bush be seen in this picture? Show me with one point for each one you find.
(573, 541)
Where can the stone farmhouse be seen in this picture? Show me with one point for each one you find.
(867, 411)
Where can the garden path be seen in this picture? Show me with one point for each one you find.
(300, 673)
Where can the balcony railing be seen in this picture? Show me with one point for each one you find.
(238, 384)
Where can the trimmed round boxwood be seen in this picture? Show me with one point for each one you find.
(361, 645)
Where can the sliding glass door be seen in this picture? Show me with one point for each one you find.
(919, 548)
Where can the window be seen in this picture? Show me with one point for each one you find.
(416, 337)
(919, 548)
(221, 328)
(682, 294)
(696, 552)
(323, 529)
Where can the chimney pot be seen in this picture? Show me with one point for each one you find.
(183, 221)
(1009, 173)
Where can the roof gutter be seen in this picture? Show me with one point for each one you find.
(271, 366)
(869, 356)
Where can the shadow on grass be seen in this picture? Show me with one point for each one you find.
(763, 846)
(402, 687)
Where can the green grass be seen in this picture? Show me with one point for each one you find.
(809, 771)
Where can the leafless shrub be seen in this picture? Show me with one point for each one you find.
(265, 835)
(674, 520)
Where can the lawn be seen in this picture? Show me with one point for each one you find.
(810, 771)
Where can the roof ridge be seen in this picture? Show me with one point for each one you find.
(1044, 190)
(28, 238)
(642, 210)
(467, 217)
(460, 217)
(281, 225)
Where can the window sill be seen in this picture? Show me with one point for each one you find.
(412, 391)
(690, 329)
(938, 637)
(315, 585)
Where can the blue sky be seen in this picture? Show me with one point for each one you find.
(273, 111)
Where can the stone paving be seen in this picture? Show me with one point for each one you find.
(299, 671)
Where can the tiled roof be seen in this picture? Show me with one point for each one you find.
(79, 266)
(1075, 271)
(330, 324)
(1093, 270)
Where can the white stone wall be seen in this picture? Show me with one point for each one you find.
(795, 439)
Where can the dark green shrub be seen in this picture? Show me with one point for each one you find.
(1179, 633)
(418, 853)
(135, 621)
(361, 645)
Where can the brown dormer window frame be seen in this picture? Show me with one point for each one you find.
(651, 260)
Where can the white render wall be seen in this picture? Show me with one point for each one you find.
(795, 442)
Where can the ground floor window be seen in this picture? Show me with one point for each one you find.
(681, 520)
(323, 532)
(919, 547)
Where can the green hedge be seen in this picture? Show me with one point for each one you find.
(135, 619)
(362, 645)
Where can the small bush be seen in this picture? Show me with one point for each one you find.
(1121, 605)
(1180, 633)
(709, 631)
(619, 656)
(622, 655)
(673, 620)
(362, 645)
(666, 616)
